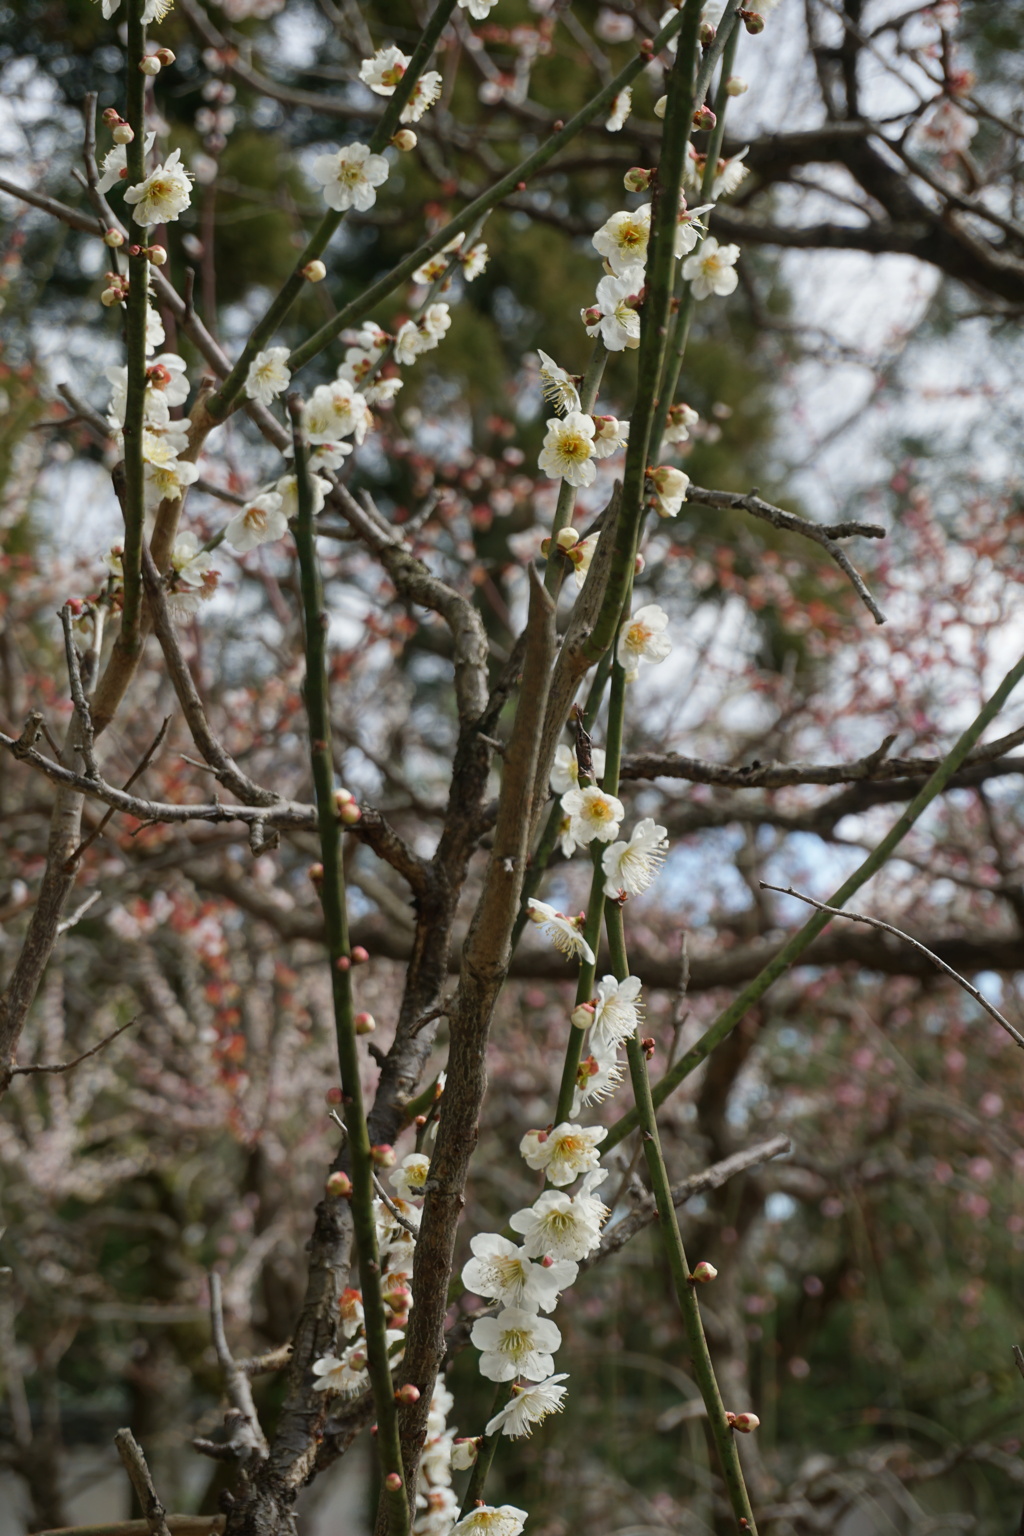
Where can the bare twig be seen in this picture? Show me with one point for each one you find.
(247, 1437)
(81, 703)
(79, 913)
(134, 1462)
(393, 1208)
(875, 922)
(148, 757)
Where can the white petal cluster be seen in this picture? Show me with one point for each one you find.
(416, 337)
(563, 1226)
(166, 385)
(383, 72)
(165, 193)
(487, 1519)
(478, 9)
(621, 108)
(260, 521)
(594, 816)
(567, 452)
(617, 1010)
(268, 375)
(618, 318)
(529, 1406)
(564, 1153)
(564, 932)
(337, 411)
(516, 1343)
(642, 638)
(712, 269)
(622, 240)
(680, 419)
(557, 386)
(193, 579)
(350, 177)
(633, 866)
(115, 164)
(288, 491)
(501, 1271)
(409, 1178)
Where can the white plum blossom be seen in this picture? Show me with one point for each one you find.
(568, 449)
(166, 385)
(425, 92)
(946, 129)
(729, 174)
(515, 1343)
(595, 815)
(435, 266)
(501, 1271)
(408, 343)
(261, 521)
(478, 9)
(681, 418)
(115, 164)
(155, 333)
(408, 1180)
(563, 1226)
(563, 1153)
(487, 1519)
(168, 481)
(633, 866)
(350, 1310)
(194, 578)
(529, 1406)
(564, 932)
(347, 1375)
(474, 261)
(622, 241)
(152, 11)
(268, 375)
(557, 386)
(165, 193)
(618, 322)
(565, 770)
(670, 487)
(712, 269)
(287, 489)
(616, 1014)
(413, 339)
(596, 1080)
(611, 436)
(621, 108)
(435, 321)
(689, 226)
(350, 177)
(383, 72)
(642, 638)
(581, 554)
(336, 411)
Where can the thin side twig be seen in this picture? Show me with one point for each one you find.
(134, 1462)
(876, 922)
(68, 1066)
(247, 1434)
(137, 773)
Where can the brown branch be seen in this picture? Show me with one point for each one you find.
(247, 1439)
(68, 1066)
(137, 773)
(875, 922)
(377, 833)
(134, 1462)
(825, 535)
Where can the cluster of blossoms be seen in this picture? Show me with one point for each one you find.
(575, 440)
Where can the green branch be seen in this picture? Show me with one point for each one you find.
(220, 403)
(332, 900)
(791, 951)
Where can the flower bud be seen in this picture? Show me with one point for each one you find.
(315, 873)
(407, 1394)
(583, 1016)
(566, 538)
(703, 1272)
(404, 139)
(365, 1023)
(359, 955)
(333, 1095)
(464, 1454)
(123, 133)
(593, 316)
(111, 296)
(314, 271)
(393, 1482)
(420, 1121)
(638, 564)
(547, 1261)
(343, 797)
(660, 105)
(150, 65)
(669, 481)
(707, 34)
(638, 179)
(156, 255)
(343, 963)
(113, 238)
(384, 1155)
(647, 1045)
(111, 116)
(350, 814)
(704, 118)
(545, 547)
(339, 1185)
(736, 86)
(165, 56)
(746, 1423)
(753, 22)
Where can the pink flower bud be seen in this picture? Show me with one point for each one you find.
(165, 56)
(393, 1482)
(365, 1023)
(566, 538)
(593, 316)
(545, 547)
(753, 22)
(703, 1272)
(150, 65)
(583, 1016)
(707, 34)
(343, 797)
(420, 1121)
(360, 955)
(350, 814)
(384, 1155)
(314, 271)
(404, 139)
(334, 1096)
(339, 1185)
(113, 238)
(111, 116)
(315, 873)
(704, 118)
(746, 1423)
(111, 296)
(638, 179)
(547, 1261)
(343, 963)
(407, 1394)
